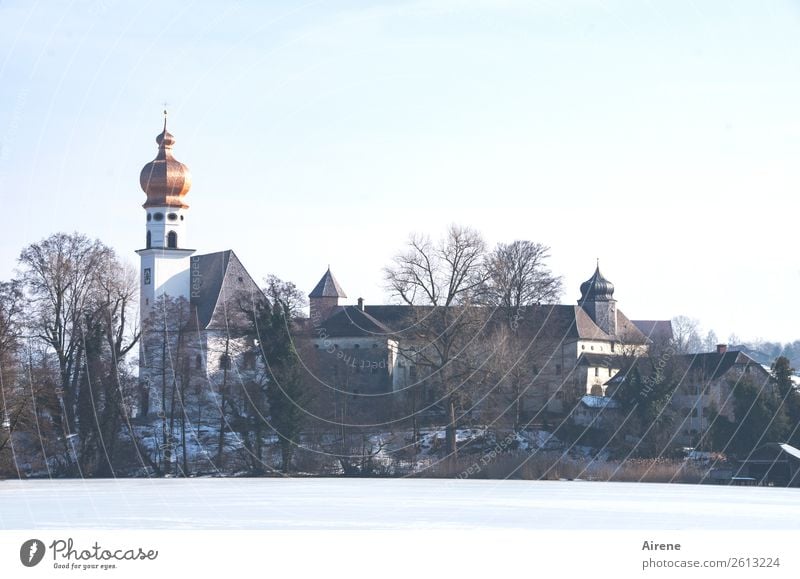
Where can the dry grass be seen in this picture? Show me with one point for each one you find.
(555, 466)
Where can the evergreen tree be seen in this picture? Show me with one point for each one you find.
(782, 375)
(285, 392)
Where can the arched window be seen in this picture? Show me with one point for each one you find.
(149, 240)
(172, 240)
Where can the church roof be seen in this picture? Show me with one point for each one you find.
(327, 287)
(221, 290)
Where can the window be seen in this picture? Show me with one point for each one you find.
(172, 240)
(172, 216)
(158, 216)
(149, 217)
(198, 362)
(149, 240)
(558, 369)
(597, 372)
(146, 275)
(181, 217)
(225, 362)
(356, 346)
(694, 412)
(612, 346)
(609, 372)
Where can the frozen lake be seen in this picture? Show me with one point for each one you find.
(359, 504)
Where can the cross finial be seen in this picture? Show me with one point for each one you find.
(165, 116)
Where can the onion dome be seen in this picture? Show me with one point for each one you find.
(597, 287)
(165, 180)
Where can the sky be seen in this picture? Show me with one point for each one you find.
(661, 137)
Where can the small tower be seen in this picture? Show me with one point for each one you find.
(324, 298)
(165, 259)
(597, 300)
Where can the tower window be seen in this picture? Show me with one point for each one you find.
(158, 216)
(149, 217)
(146, 276)
(181, 217)
(172, 240)
(149, 239)
(198, 362)
(172, 216)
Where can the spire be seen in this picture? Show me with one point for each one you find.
(327, 287)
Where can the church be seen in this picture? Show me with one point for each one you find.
(364, 350)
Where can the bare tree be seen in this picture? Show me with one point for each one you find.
(519, 276)
(286, 294)
(59, 275)
(447, 278)
(13, 404)
(686, 336)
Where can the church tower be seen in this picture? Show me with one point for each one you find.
(597, 300)
(165, 258)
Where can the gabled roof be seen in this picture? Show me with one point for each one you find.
(216, 281)
(327, 287)
(351, 321)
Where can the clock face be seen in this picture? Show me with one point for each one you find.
(147, 276)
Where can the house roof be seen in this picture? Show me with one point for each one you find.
(351, 321)
(327, 287)
(554, 322)
(715, 365)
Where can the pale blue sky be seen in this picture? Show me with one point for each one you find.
(662, 137)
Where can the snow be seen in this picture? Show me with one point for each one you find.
(789, 449)
(401, 504)
(599, 402)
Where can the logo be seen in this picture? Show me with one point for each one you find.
(31, 553)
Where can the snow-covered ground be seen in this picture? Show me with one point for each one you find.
(389, 504)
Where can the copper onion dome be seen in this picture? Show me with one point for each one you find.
(165, 180)
(597, 287)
